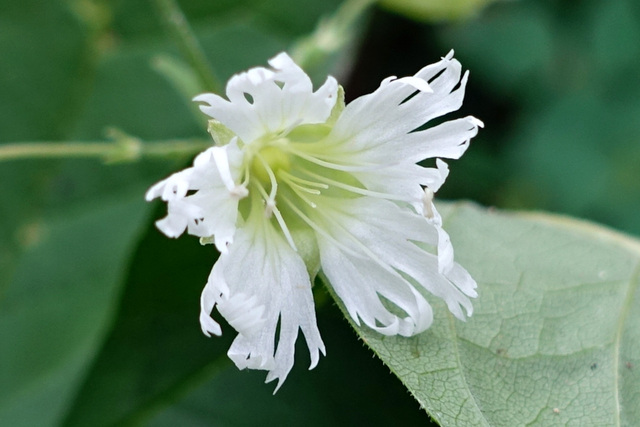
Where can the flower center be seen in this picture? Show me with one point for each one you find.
(269, 158)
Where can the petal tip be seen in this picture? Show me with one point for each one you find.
(476, 122)
(203, 97)
(281, 60)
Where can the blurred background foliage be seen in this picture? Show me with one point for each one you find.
(98, 311)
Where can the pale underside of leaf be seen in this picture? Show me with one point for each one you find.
(553, 339)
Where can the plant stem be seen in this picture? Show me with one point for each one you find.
(180, 30)
(331, 34)
(121, 150)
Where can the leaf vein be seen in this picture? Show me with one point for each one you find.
(626, 308)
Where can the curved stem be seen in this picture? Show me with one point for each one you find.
(181, 31)
(120, 150)
(331, 34)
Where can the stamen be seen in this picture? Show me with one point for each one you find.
(320, 148)
(284, 228)
(239, 192)
(265, 197)
(318, 229)
(270, 209)
(304, 198)
(301, 188)
(272, 179)
(247, 175)
(344, 168)
(222, 164)
(286, 174)
(358, 190)
(295, 186)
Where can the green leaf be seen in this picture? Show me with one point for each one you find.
(155, 347)
(44, 64)
(67, 226)
(554, 338)
(57, 302)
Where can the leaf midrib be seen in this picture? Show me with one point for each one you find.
(452, 327)
(605, 234)
(626, 308)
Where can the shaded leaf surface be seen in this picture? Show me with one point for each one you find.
(53, 314)
(66, 227)
(554, 337)
(156, 346)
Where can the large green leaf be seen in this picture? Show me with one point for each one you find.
(66, 228)
(554, 337)
(44, 63)
(54, 312)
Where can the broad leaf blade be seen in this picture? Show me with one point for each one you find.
(53, 314)
(554, 338)
(155, 348)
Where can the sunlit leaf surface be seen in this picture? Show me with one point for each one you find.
(554, 339)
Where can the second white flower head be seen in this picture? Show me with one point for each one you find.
(299, 183)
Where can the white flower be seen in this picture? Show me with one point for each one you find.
(299, 183)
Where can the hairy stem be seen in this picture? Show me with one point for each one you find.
(121, 150)
(181, 32)
(331, 34)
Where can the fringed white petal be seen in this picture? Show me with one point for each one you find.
(405, 181)
(361, 283)
(210, 294)
(213, 208)
(263, 101)
(446, 266)
(390, 238)
(173, 191)
(268, 288)
(172, 188)
(449, 140)
(179, 215)
(398, 107)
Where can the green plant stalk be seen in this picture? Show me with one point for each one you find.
(180, 30)
(121, 150)
(331, 34)
(183, 79)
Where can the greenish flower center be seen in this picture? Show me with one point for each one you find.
(268, 158)
(272, 154)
